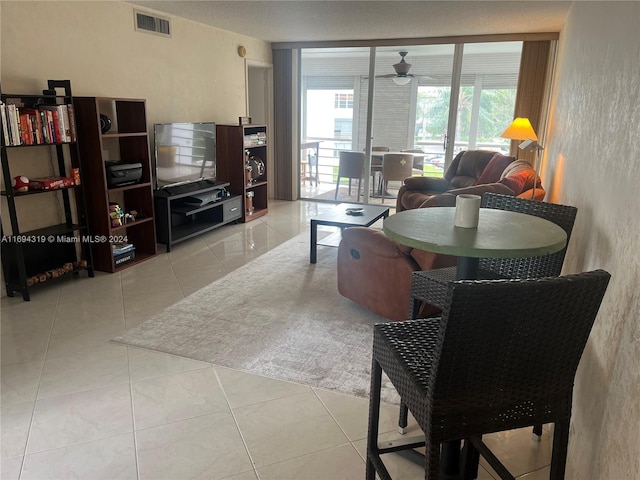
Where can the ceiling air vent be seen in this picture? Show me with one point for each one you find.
(148, 23)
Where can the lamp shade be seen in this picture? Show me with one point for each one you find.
(520, 129)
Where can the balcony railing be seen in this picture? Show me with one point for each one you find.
(330, 148)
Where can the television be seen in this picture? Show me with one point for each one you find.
(184, 153)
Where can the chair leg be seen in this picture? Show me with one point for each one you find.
(359, 185)
(432, 460)
(537, 432)
(337, 186)
(374, 418)
(349, 186)
(471, 460)
(384, 189)
(403, 418)
(559, 452)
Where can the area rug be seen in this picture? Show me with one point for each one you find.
(278, 316)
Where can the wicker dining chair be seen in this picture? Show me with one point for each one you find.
(430, 286)
(351, 166)
(503, 356)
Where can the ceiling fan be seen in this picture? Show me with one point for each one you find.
(402, 75)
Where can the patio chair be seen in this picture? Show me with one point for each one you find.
(395, 167)
(351, 166)
(418, 160)
(503, 356)
(376, 167)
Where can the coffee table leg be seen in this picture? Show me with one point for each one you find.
(314, 242)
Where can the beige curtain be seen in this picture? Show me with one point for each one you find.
(530, 98)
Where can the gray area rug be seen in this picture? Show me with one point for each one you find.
(277, 316)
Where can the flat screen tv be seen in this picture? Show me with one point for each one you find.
(184, 153)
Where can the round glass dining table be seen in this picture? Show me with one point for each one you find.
(500, 234)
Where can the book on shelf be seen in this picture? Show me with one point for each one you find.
(38, 125)
(61, 122)
(72, 123)
(5, 130)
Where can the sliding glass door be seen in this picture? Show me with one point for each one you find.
(416, 87)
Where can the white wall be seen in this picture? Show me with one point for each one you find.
(592, 161)
(195, 75)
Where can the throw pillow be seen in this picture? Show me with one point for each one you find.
(494, 168)
(520, 181)
(515, 167)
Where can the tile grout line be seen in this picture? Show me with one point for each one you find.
(350, 442)
(35, 402)
(235, 421)
(133, 418)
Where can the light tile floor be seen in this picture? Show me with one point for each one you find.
(75, 405)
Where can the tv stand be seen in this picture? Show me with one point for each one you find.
(189, 187)
(178, 219)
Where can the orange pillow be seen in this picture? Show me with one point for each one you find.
(520, 181)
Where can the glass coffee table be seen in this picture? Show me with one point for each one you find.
(338, 217)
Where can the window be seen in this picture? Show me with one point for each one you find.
(343, 100)
(342, 128)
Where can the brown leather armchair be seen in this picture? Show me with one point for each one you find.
(375, 272)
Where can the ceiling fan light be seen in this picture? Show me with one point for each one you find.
(401, 80)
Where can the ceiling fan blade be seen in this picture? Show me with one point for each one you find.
(390, 75)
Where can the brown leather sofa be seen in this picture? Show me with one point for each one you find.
(375, 272)
(472, 168)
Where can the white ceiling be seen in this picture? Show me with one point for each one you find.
(309, 20)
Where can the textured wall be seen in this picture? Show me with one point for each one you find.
(592, 161)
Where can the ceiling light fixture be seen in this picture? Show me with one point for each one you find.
(401, 80)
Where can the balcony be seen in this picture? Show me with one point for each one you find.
(327, 169)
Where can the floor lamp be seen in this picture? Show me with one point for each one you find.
(521, 129)
(527, 146)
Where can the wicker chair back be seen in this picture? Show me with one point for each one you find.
(530, 267)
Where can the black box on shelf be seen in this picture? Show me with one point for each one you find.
(120, 174)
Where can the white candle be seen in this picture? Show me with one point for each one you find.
(467, 211)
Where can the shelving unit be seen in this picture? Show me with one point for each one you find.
(237, 144)
(178, 219)
(42, 254)
(125, 142)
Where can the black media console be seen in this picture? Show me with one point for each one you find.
(184, 211)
